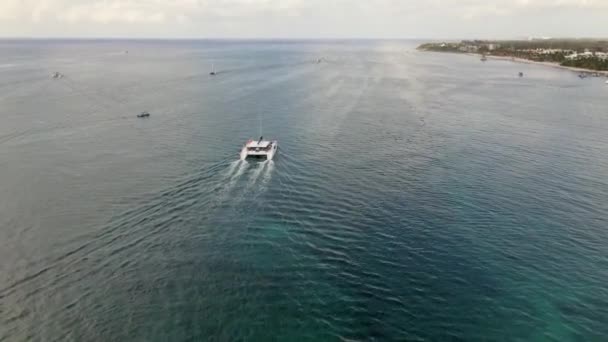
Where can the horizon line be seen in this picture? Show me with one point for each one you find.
(281, 38)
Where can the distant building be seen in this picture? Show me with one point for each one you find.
(588, 54)
(553, 51)
(468, 48)
(601, 55)
(572, 56)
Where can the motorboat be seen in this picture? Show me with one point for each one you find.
(56, 75)
(143, 115)
(259, 149)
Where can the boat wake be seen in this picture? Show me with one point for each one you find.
(232, 168)
(255, 176)
(234, 176)
(257, 182)
(236, 169)
(232, 186)
(267, 175)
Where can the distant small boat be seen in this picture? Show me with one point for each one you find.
(143, 115)
(56, 75)
(212, 73)
(521, 74)
(484, 58)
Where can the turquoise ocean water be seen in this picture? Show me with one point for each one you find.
(415, 196)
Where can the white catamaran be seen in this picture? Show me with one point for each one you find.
(260, 148)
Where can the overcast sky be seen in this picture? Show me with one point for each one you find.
(304, 18)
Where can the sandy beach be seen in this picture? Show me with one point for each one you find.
(554, 65)
(603, 73)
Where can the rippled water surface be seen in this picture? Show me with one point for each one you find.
(415, 196)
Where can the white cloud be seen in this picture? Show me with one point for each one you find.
(108, 11)
(253, 17)
(111, 12)
(476, 8)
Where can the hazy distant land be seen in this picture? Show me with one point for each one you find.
(585, 55)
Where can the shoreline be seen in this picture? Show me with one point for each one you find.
(602, 73)
(549, 64)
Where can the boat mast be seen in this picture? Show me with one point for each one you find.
(260, 120)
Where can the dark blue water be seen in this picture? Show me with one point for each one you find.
(415, 196)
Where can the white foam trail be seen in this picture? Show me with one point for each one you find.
(232, 168)
(257, 183)
(239, 172)
(256, 174)
(267, 176)
(232, 178)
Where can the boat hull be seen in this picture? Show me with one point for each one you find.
(262, 154)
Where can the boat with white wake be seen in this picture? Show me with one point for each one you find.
(260, 149)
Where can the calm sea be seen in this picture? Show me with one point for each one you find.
(415, 196)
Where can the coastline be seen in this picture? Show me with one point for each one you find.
(565, 54)
(549, 64)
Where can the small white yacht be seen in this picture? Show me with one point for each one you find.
(259, 149)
